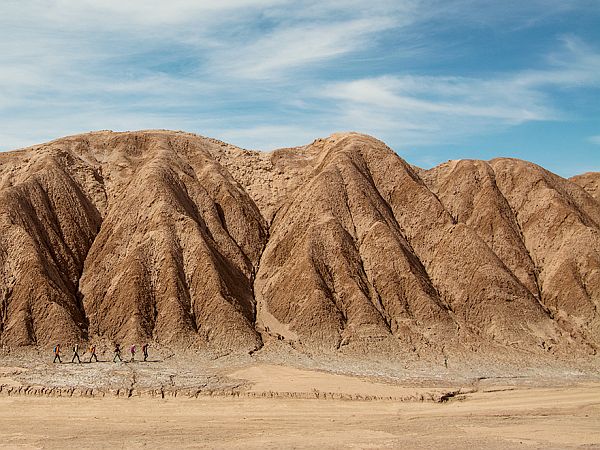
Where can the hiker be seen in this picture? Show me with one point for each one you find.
(57, 354)
(145, 351)
(93, 353)
(76, 354)
(132, 352)
(117, 353)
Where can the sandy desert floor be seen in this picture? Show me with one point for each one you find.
(260, 404)
(521, 418)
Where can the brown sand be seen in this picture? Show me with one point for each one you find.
(273, 406)
(563, 417)
(271, 378)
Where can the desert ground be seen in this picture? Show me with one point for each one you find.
(568, 417)
(329, 295)
(194, 401)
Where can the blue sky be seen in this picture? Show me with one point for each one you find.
(436, 80)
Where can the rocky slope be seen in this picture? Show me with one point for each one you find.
(339, 245)
(589, 181)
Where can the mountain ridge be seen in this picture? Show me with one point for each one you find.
(338, 245)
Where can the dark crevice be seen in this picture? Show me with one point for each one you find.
(192, 211)
(4, 302)
(406, 245)
(515, 219)
(232, 272)
(367, 285)
(253, 286)
(223, 221)
(327, 286)
(60, 276)
(185, 289)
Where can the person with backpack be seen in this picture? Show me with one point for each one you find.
(76, 354)
(93, 353)
(132, 350)
(145, 351)
(117, 353)
(57, 354)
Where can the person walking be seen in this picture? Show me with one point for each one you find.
(93, 353)
(132, 350)
(145, 351)
(76, 354)
(117, 353)
(57, 354)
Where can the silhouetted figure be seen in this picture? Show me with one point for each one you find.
(76, 354)
(57, 353)
(93, 353)
(132, 350)
(117, 353)
(145, 351)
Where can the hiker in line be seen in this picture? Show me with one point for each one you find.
(145, 351)
(76, 354)
(117, 353)
(57, 354)
(132, 352)
(93, 353)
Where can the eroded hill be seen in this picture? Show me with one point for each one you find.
(338, 245)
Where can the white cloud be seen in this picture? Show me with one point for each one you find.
(131, 14)
(263, 73)
(298, 46)
(427, 109)
(574, 64)
(594, 139)
(443, 96)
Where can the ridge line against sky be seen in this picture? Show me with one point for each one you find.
(435, 80)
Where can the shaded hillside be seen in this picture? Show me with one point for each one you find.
(543, 228)
(336, 245)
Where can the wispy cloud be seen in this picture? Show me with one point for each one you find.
(428, 109)
(66, 61)
(130, 15)
(267, 73)
(298, 46)
(594, 139)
